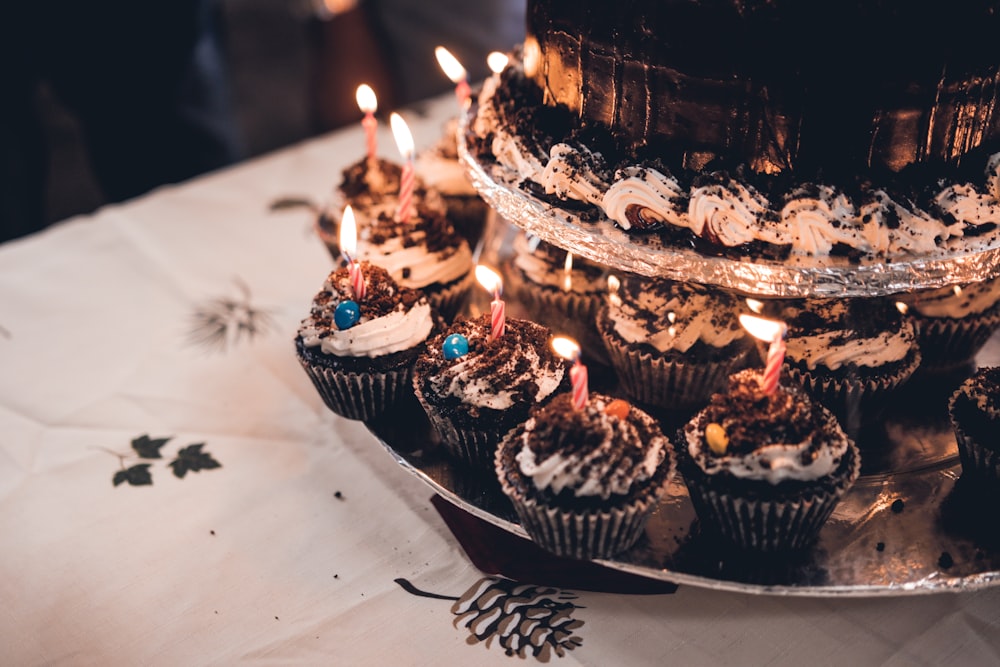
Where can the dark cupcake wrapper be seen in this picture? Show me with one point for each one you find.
(979, 462)
(669, 384)
(476, 447)
(450, 299)
(570, 313)
(946, 342)
(360, 396)
(769, 525)
(576, 533)
(854, 400)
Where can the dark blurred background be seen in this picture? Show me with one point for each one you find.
(281, 53)
(267, 51)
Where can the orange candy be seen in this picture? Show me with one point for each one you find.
(618, 408)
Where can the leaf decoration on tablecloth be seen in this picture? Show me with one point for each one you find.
(192, 459)
(223, 322)
(137, 475)
(525, 620)
(149, 448)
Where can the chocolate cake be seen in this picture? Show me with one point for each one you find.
(765, 128)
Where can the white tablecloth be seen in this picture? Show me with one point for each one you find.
(283, 541)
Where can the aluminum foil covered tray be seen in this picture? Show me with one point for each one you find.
(962, 261)
(910, 525)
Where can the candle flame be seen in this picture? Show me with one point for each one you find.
(763, 329)
(567, 272)
(489, 279)
(449, 63)
(755, 305)
(566, 348)
(496, 61)
(671, 317)
(401, 133)
(613, 284)
(902, 307)
(348, 233)
(367, 101)
(957, 289)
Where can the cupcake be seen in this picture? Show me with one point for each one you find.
(565, 297)
(474, 388)
(974, 409)
(849, 354)
(765, 471)
(953, 323)
(441, 170)
(424, 253)
(360, 354)
(584, 482)
(673, 344)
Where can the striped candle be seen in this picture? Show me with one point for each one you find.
(772, 369)
(368, 103)
(491, 281)
(578, 377)
(567, 348)
(774, 332)
(404, 141)
(348, 245)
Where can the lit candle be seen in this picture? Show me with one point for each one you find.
(491, 281)
(568, 272)
(497, 61)
(454, 71)
(368, 104)
(404, 141)
(773, 332)
(614, 284)
(568, 349)
(348, 246)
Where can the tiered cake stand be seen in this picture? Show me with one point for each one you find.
(908, 526)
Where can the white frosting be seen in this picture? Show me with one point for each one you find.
(424, 267)
(947, 302)
(399, 330)
(570, 174)
(731, 214)
(694, 314)
(653, 192)
(833, 349)
(597, 472)
(543, 268)
(771, 462)
(461, 382)
(444, 174)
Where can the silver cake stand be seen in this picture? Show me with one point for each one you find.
(961, 260)
(908, 526)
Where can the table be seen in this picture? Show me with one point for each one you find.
(152, 342)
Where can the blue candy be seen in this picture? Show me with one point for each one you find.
(455, 346)
(346, 315)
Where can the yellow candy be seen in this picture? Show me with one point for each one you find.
(716, 438)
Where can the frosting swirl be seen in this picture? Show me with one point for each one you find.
(392, 318)
(517, 369)
(773, 438)
(589, 452)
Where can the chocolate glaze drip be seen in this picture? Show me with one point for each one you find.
(780, 85)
